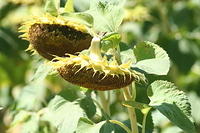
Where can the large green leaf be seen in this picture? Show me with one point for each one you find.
(33, 94)
(195, 105)
(151, 59)
(31, 125)
(107, 14)
(88, 105)
(81, 5)
(174, 114)
(20, 117)
(101, 127)
(64, 115)
(42, 71)
(84, 127)
(126, 53)
(171, 102)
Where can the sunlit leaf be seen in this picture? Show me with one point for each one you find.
(31, 125)
(42, 71)
(126, 53)
(84, 127)
(20, 117)
(33, 94)
(81, 5)
(64, 115)
(107, 14)
(153, 66)
(151, 58)
(195, 105)
(171, 102)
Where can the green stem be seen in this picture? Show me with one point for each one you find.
(145, 113)
(127, 97)
(95, 51)
(104, 102)
(133, 91)
(121, 125)
(144, 123)
(131, 111)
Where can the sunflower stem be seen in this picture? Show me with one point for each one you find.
(104, 102)
(95, 51)
(131, 111)
(145, 113)
(129, 96)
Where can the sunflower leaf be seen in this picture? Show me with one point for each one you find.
(107, 14)
(172, 103)
(84, 127)
(20, 117)
(68, 113)
(35, 91)
(151, 59)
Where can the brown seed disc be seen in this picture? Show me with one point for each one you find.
(55, 39)
(87, 78)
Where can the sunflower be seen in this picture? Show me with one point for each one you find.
(55, 36)
(95, 72)
(25, 1)
(138, 13)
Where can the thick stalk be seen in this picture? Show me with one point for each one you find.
(144, 123)
(131, 111)
(104, 102)
(95, 51)
(145, 113)
(128, 96)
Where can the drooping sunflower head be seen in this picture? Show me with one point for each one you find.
(55, 36)
(97, 75)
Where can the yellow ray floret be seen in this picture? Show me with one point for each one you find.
(104, 66)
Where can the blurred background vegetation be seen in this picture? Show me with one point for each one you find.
(172, 24)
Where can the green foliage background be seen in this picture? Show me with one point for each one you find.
(173, 24)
